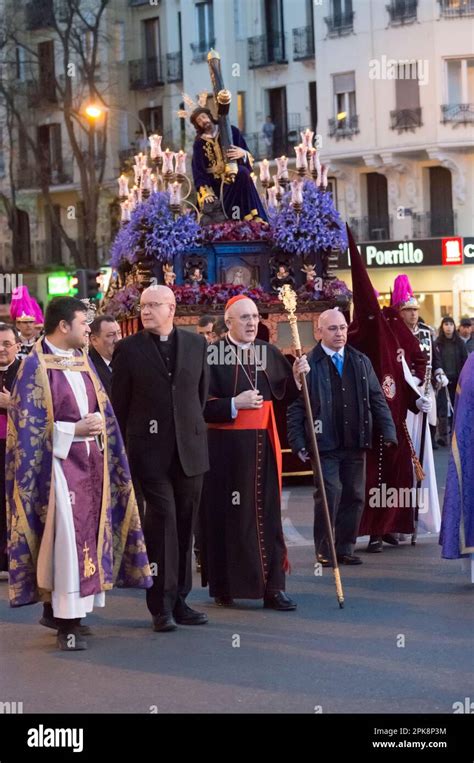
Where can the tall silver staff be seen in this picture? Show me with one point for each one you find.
(288, 297)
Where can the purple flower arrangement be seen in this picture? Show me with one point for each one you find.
(154, 232)
(236, 230)
(317, 226)
(217, 294)
(123, 302)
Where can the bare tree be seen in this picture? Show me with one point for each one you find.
(77, 28)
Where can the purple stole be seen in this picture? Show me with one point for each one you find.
(84, 474)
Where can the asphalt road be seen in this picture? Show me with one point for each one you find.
(403, 643)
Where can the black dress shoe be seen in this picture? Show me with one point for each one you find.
(224, 601)
(184, 615)
(54, 624)
(71, 640)
(391, 539)
(349, 559)
(323, 560)
(280, 601)
(375, 545)
(163, 623)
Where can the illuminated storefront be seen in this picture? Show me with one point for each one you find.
(441, 272)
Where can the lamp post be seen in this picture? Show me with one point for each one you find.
(94, 111)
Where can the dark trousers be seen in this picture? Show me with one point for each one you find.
(172, 500)
(344, 481)
(445, 421)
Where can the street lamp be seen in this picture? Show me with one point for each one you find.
(94, 111)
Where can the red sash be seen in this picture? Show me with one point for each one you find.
(258, 418)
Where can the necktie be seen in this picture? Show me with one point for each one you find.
(338, 362)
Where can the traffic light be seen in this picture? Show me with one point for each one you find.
(85, 283)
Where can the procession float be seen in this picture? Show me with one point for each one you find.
(227, 231)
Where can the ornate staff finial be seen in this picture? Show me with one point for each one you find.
(288, 296)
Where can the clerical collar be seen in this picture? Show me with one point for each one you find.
(5, 368)
(163, 337)
(56, 350)
(330, 352)
(242, 345)
(27, 341)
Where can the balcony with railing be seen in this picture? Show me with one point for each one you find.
(343, 128)
(457, 113)
(174, 67)
(451, 9)
(39, 14)
(371, 228)
(340, 24)
(146, 73)
(283, 143)
(34, 176)
(41, 93)
(428, 224)
(402, 11)
(201, 49)
(303, 43)
(405, 119)
(266, 50)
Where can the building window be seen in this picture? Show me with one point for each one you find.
(402, 11)
(313, 105)
(459, 91)
(453, 8)
(47, 74)
(407, 113)
(119, 41)
(341, 20)
(345, 121)
(20, 63)
(239, 19)
(205, 22)
(152, 119)
(241, 111)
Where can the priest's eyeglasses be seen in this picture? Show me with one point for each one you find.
(151, 306)
(8, 345)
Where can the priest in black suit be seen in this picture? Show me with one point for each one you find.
(159, 390)
(105, 333)
(10, 344)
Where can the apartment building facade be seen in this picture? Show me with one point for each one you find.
(396, 108)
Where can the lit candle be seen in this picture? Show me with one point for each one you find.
(168, 162)
(307, 138)
(324, 175)
(301, 158)
(282, 168)
(180, 163)
(137, 171)
(155, 146)
(123, 185)
(145, 184)
(140, 160)
(125, 211)
(296, 192)
(175, 194)
(272, 198)
(264, 170)
(154, 183)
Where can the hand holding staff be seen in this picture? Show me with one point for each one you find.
(288, 297)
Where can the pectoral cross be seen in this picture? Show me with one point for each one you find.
(89, 566)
